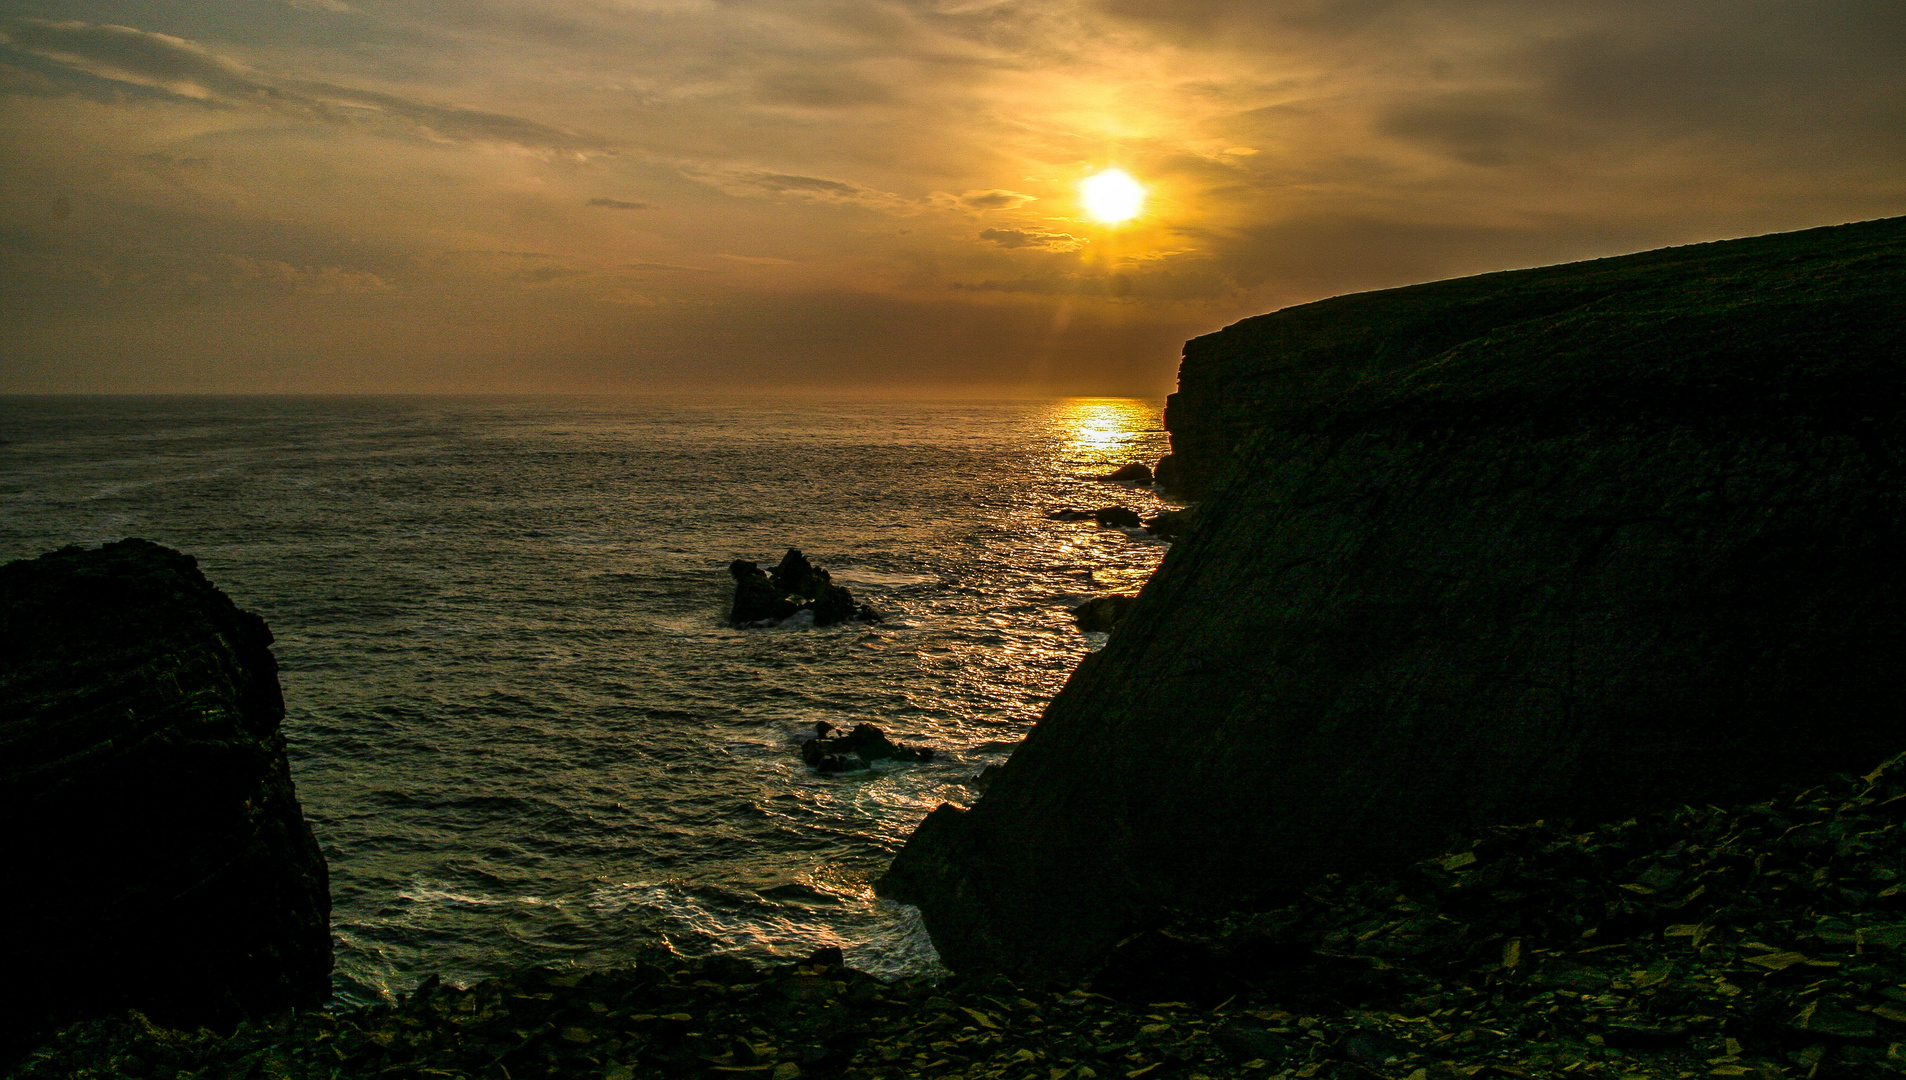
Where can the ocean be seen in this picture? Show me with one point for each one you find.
(517, 721)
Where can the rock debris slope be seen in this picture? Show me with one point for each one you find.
(156, 854)
(1569, 541)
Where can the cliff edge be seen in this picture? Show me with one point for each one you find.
(157, 857)
(1575, 541)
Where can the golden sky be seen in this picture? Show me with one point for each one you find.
(640, 195)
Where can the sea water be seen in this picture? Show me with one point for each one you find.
(518, 723)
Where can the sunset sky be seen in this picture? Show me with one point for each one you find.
(637, 195)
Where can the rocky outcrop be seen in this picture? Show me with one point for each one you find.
(1172, 523)
(1564, 542)
(157, 858)
(832, 750)
(1101, 613)
(793, 586)
(1138, 474)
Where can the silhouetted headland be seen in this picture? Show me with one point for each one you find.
(1576, 541)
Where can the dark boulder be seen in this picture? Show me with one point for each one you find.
(157, 857)
(1101, 613)
(793, 586)
(1116, 517)
(832, 750)
(1137, 474)
(1069, 514)
(1567, 542)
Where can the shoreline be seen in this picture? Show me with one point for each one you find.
(1762, 940)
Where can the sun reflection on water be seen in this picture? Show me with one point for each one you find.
(1104, 429)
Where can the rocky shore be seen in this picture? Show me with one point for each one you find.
(1765, 940)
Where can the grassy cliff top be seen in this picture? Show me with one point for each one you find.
(1782, 324)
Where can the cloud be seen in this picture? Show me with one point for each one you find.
(985, 199)
(757, 183)
(308, 280)
(1016, 238)
(819, 90)
(618, 204)
(1473, 132)
(673, 267)
(187, 69)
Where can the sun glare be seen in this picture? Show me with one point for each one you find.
(1112, 196)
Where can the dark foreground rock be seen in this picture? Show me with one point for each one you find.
(792, 586)
(1759, 941)
(156, 855)
(832, 750)
(1101, 613)
(1629, 539)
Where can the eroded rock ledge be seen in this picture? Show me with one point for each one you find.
(1562, 542)
(157, 857)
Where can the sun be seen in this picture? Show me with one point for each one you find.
(1112, 196)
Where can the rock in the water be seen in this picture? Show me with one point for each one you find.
(1170, 524)
(793, 586)
(1101, 613)
(1069, 514)
(982, 780)
(1116, 517)
(833, 750)
(157, 857)
(756, 598)
(1566, 542)
(1137, 473)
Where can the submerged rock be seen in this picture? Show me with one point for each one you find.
(832, 750)
(1567, 542)
(1116, 517)
(1101, 613)
(793, 586)
(1069, 514)
(1137, 473)
(157, 858)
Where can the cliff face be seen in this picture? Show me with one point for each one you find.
(156, 854)
(1570, 541)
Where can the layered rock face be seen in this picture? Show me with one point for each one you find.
(1571, 541)
(156, 854)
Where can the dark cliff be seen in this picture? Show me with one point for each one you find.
(156, 854)
(1573, 541)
